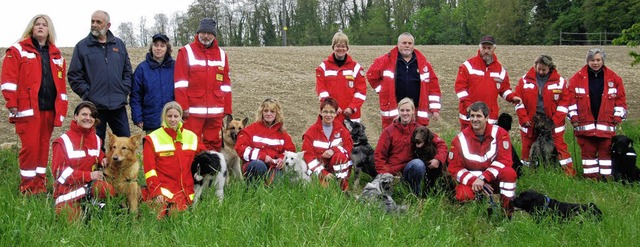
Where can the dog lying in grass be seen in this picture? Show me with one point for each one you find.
(380, 190)
(294, 164)
(539, 206)
(623, 160)
(123, 167)
(209, 168)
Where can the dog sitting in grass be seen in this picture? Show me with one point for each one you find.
(123, 167)
(543, 150)
(295, 165)
(623, 160)
(362, 153)
(230, 129)
(539, 205)
(209, 169)
(379, 191)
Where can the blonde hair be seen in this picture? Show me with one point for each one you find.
(168, 106)
(405, 101)
(274, 105)
(28, 31)
(338, 38)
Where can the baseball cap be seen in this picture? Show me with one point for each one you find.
(160, 36)
(488, 39)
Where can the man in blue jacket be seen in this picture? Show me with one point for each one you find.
(100, 72)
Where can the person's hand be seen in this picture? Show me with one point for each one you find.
(328, 177)
(527, 124)
(159, 199)
(517, 100)
(435, 116)
(327, 154)
(477, 185)
(268, 160)
(97, 175)
(339, 111)
(347, 112)
(185, 114)
(574, 124)
(279, 163)
(434, 164)
(104, 162)
(13, 110)
(140, 124)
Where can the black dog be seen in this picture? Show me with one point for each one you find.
(543, 150)
(424, 149)
(208, 168)
(362, 153)
(539, 206)
(623, 160)
(505, 120)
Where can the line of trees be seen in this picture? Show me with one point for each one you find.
(379, 22)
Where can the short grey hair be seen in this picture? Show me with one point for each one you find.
(593, 51)
(408, 35)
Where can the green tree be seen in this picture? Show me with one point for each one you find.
(630, 37)
(305, 26)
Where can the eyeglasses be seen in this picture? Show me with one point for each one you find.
(328, 112)
(341, 46)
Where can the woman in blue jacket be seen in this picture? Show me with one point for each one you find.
(152, 85)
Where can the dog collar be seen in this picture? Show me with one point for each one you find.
(547, 200)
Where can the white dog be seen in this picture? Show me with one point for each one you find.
(295, 161)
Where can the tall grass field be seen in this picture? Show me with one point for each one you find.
(290, 214)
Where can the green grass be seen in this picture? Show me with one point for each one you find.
(288, 214)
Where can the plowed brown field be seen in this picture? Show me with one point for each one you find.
(288, 74)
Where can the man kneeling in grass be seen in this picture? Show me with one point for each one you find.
(480, 159)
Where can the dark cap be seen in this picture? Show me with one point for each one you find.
(207, 25)
(488, 39)
(159, 36)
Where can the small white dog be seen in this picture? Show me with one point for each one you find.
(295, 161)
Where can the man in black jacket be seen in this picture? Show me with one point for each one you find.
(100, 72)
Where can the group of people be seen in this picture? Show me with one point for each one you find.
(181, 104)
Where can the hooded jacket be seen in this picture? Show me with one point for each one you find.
(152, 88)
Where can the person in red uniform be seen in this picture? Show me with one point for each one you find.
(598, 105)
(543, 91)
(261, 145)
(327, 145)
(405, 72)
(394, 154)
(167, 155)
(76, 156)
(202, 85)
(34, 88)
(342, 78)
(482, 78)
(480, 159)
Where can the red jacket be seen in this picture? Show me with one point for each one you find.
(394, 151)
(202, 83)
(478, 82)
(555, 97)
(346, 84)
(71, 164)
(257, 140)
(167, 170)
(314, 143)
(470, 158)
(381, 76)
(21, 78)
(613, 108)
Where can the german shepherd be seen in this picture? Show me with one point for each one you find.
(123, 167)
(230, 130)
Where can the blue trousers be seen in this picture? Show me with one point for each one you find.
(413, 174)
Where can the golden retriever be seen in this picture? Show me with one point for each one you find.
(123, 167)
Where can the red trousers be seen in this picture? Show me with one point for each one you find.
(34, 154)
(596, 156)
(179, 202)
(73, 209)
(505, 183)
(207, 129)
(564, 157)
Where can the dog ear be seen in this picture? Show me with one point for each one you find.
(300, 155)
(347, 124)
(136, 139)
(245, 121)
(112, 138)
(228, 119)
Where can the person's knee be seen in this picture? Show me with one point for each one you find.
(508, 174)
(257, 167)
(464, 193)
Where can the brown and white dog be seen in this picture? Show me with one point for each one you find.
(230, 129)
(123, 167)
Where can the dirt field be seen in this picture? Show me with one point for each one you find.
(288, 74)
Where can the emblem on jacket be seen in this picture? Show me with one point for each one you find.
(505, 144)
(450, 155)
(610, 84)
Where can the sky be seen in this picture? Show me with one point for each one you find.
(72, 18)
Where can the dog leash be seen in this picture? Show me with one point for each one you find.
(547, 200)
